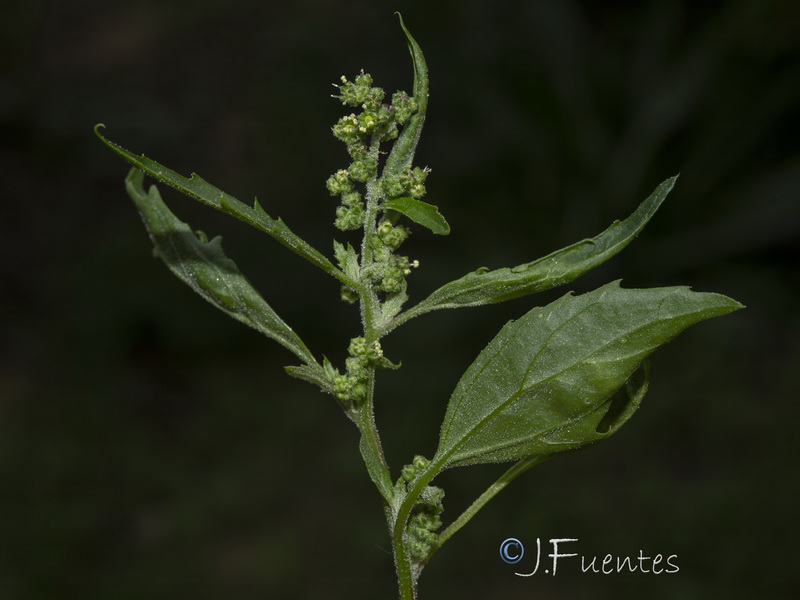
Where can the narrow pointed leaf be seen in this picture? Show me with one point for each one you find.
(312, 374)
(405, 146)
(421, 213)
(485, 287)
(199, 189)
(553, 380)
(205, 268)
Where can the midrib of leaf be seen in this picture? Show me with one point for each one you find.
(483, 421)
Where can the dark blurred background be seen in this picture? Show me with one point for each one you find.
(150, 447)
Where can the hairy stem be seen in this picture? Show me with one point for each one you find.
(370, 305)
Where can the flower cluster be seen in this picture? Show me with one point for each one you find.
(389, 270)
(425, 515)
(352, 386)
(410, 182)
(377, 122)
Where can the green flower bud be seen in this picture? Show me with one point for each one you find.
(351, 199)
(358, 150)
(393, 186)
(391, 282)
(367, 122)
(391, 235)
(349, 217)
(420, 462)
(418, 549)
(356, 366)
(347, 130)
(403, 106)
(409, 473)
(363, 168)
(339, 183)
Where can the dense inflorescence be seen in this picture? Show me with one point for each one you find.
(425, 517)
(362, 134)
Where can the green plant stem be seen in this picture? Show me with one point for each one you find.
(370, 305)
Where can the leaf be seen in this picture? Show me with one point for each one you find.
(485, 287)
(553, 380)
(377, 472)
(205, 268)
(199, 189)
(421, 213)
(312, 374)
(392, 305)
(405, 146)
(347, 259)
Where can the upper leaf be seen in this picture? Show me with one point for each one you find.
(547, 382)
(405, 146)
(421, 213)
(199, 189)
(484, 286)
(204, 266)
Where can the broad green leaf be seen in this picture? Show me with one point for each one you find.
(565, 265)
(551, 381)
(199, 189)
(405, 146)
(421, 213)
(205, 268)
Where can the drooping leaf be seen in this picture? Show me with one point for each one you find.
(405, 146)
(199, 189)
(421, 213)
(551, 381)
(485, 287)
(204, 267)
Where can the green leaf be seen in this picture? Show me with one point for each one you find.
(205, 268)
(377, 472)
(199, 189)
(565, 265)
(312, 374)
(553, 380)
(347, 259)
(405, 146)
(421, 213)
